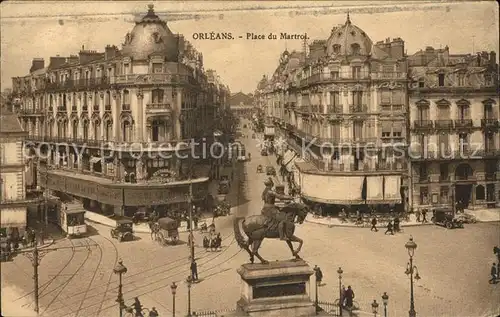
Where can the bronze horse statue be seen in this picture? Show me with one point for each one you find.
(258, 227)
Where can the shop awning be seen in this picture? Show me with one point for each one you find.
(95, 159)
(13, 217)
(374, 185)
(392, 187)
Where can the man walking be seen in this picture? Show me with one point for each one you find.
(493, 273)
(424, 215)
(374, 224)
(194, 271)
(390, 228)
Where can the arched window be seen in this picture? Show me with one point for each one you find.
(75, 129)
(108, 130)
(356, 49)
(85, 129)
(126, 101)
(85, 101)
(126, 131)
(97, 128)
(107, 98)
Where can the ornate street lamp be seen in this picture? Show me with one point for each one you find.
(173, 287)
(189, 280)
(375, 308)
(120, 269)
(385, 300)
(411, 269)
(339, 272)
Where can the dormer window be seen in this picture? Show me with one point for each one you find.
(336, 48)
(353, 33)
(355, 48)
(421, 83)
(157, 68)
(441, 80)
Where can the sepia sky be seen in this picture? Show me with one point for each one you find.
(48, 28)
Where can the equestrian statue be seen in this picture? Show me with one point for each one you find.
(273, 223)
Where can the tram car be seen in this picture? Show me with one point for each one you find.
(72, 221)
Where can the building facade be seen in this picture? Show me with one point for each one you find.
(341, 107)
(13, 202)
(117, 128)
(454, 128)
(363, 123)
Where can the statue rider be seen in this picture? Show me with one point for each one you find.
(270, 210)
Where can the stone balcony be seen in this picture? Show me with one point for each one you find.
(159, 108)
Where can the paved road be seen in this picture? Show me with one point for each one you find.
(454, 265)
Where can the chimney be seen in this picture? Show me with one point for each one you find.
(110, 52)
(36, 64)
(57, 61)
(397, 48)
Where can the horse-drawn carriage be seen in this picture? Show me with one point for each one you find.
(165, 231)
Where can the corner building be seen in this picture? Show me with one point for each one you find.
(117, 128)
(454, 121)
(341, 105)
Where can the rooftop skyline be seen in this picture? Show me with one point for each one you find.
(31, 30)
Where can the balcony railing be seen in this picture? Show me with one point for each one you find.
(490, 123)
(464, 123)
(110, 144)
(154, 78)
(358, 108)
(443, 124)
(85, 107)
(304, 109)
(159, 107)
(61, 109)
(315, 108)
(125, 107)
(79, 83)
(388, 75)
(335, 109)
(36, 111)
(423, 124)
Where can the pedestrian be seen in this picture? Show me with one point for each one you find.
(493, 273)
(417, 214)
(389, 228)
(137, 307)
(195, 220)
(424, 215)
(318, 274)
(194, 270)
(349, 297)
(374, 224)
(342, 296)
(153, 312)
(396, 224)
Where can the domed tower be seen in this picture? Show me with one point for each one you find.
(348, 39)
(151, 35)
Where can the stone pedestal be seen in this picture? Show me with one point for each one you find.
(276, 289)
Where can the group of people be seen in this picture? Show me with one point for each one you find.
(495, 268)
(213, 242)
(137, 307)
(347, 294)
(392, 226)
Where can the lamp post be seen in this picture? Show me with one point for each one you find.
(339, 271)
(375, 308)
(120, 269)
(189, 280)
(316, 299)
(411, 246)
(385, 300)
(173, 287)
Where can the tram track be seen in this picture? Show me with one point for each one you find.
(110, 275)
(62, 286)
(45, 285)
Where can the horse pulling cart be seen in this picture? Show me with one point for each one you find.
(166, 231)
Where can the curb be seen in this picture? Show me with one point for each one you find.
(183, 230)
(382, 227)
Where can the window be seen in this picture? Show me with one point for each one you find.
(357, 98)
(157, 68)
(463, 140)
(75, 129)
(463, 112)
(356, 49)
(423, 172)
(424, 195)
(97, 134)
(444, 145)
(157, 96)
(126, 97)
(396, 134)
(461, 80)
(443, 171)
(423, 113)
(444, 194)
(385, 97)
(480, 193)
(386, 134)
(334, 74)
(489, 141)
(125, 69)
(488, 111)
(334, 98)
(335, 128)
(398, 97)
(358, 130)
(441, 80)
(336, 48)
(107, 98)
(356, 72)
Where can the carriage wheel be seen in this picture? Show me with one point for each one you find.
(449, 225)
